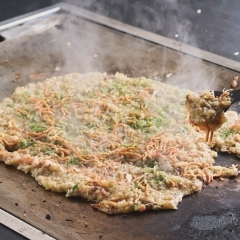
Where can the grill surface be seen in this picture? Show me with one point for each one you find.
(63, 42)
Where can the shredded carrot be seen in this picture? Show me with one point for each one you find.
(24, 112)
(40, 134)
(192, 164)
(133, 157)
(118, 159)
(171, 183)
(8, 143)
(209, 175)
(64, 111)
(49, 120)
(46, 92)
(14, 125)
(117, 126)
(137, 199)
(69, 146)
(73, 105)
(147, 191)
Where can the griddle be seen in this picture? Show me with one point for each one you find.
(63, 39)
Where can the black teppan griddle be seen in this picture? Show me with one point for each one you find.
(64, 39)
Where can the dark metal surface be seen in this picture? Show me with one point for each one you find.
(6, 234)
(64, 43)
(235, 98)
(215, 29)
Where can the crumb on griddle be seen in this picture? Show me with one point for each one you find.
(69, 220)
(234, 82)
(17, 76)
(37, 76)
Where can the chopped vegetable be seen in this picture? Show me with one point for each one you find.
(122, 143)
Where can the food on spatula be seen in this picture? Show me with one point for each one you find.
(207, 111)
(125, 144)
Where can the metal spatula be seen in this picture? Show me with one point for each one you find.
(235, 97)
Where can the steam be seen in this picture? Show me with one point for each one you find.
(72, 44)
(167, 18)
